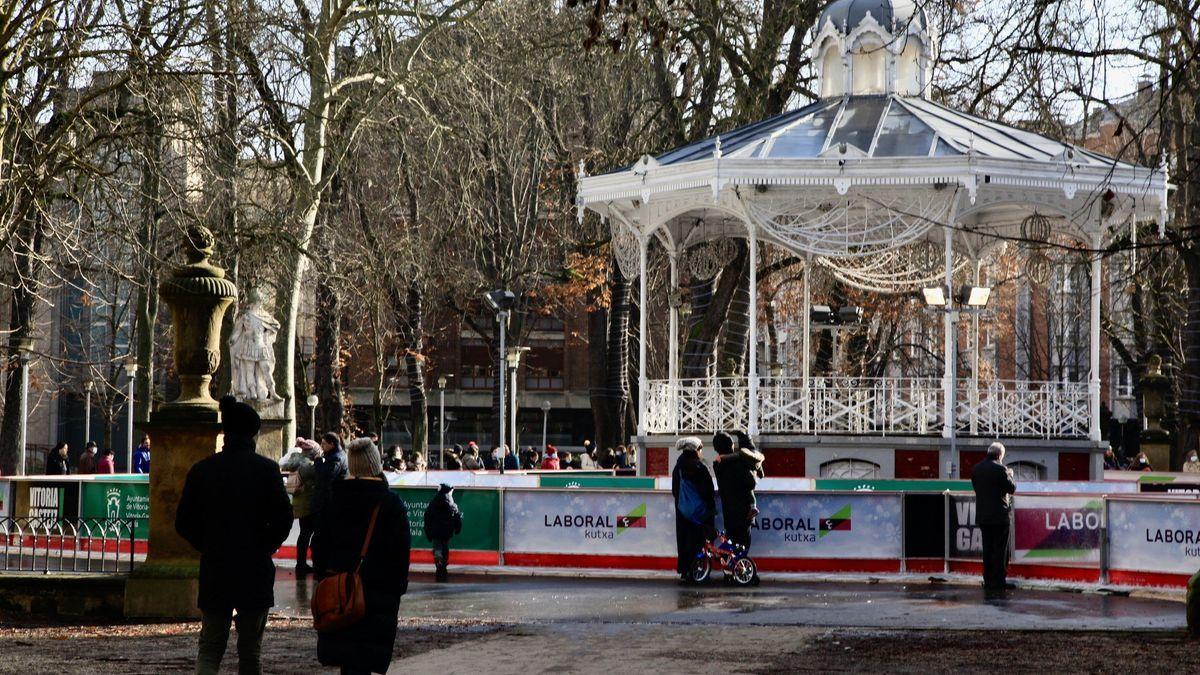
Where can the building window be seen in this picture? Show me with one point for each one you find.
(849, 468)
(1029, 471)
(1122, 382)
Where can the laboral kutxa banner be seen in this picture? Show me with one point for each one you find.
(1154, 536)
(589, 523)
(823, 525)
(1056, 529)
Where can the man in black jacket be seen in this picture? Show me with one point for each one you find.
(993, 483)
(235, 511)
(443, 520)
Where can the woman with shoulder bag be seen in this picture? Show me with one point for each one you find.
(362, 539)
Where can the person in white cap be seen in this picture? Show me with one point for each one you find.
(695, 504)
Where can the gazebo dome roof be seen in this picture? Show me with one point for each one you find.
(869, 126)
(846, 15)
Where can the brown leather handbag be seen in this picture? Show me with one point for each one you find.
(338, 602)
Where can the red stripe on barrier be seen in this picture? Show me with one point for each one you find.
(1134, 578)
(827, 565)
(1088, 575)
(421, 555)
(626, 562)
(925, 565)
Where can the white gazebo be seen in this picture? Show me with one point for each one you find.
(855, 182)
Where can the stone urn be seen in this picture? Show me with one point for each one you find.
(198, 294)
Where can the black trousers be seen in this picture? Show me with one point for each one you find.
(737, 526)
(307, 524)
(995, 556)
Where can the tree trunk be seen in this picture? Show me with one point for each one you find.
(704, 326)
(610, 401)
(27, 245)
(410, 322)
(327, 365)
(732, 362)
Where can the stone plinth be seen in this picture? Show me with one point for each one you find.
(165, 585)
(270, 441)
(1158, 452)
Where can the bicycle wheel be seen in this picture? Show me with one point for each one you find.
(744, 571)
(701, 569)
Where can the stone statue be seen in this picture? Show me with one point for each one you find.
(252, 352)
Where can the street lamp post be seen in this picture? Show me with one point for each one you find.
(970, 300)
(502, 302)
(23, 357)
(514, 362)
(545, 421)
(131, 368)
(441, 383)
(88, 386)
(312, 415)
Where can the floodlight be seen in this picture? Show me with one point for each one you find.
(849, 315)
(501, 301)
(974, 296)
(935, 296)
(821, 314)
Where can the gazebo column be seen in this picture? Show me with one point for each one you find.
(948, 375)
(673, 342)
(643, 383)
(753, 380)
(1094, 344)
(806, 371)
(975, 356)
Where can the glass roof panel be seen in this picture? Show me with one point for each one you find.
(806, 138)
(943, 149)
(903, 135)
(859, 122)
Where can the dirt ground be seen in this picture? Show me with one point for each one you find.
(466, 646)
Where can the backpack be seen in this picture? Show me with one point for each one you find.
(689, 504)
(338, 601)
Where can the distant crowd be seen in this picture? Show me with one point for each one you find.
(471, 458)
(93, 460)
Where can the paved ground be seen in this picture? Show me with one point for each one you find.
(520, 625)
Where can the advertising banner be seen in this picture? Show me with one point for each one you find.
(118, 499)
(1154, 536)
(966, 539)
(589, 523)
(892, 485)
(1057, 529)
(46, 500)
(481, 517)
(813, 525)
(1171, 485)
(572, 480)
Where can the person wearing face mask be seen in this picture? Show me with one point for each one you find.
(1141, 463)
(1192, 464)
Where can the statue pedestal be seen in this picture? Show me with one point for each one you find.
(165, 586)
(270, 442)
(1158, 451)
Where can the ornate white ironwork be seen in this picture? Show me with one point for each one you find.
(870, 406)
(706, 259)
(862, 221)
(899, 270)
(626, 249)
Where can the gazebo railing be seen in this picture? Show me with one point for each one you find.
(869, 406)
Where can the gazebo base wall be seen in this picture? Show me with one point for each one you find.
(804, 456)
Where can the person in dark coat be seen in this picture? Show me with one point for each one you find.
(367, 645)
(443, 520)
(330, 468)
(56, 461)
(235, 511)
(736, 480)
(86, 463)
(993, 483)
(690, 536)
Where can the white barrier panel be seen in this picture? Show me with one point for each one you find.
(1057, 529)
(828, 525)
(461, 479)
(640, 523)
(1154, 536)
(1089, 487)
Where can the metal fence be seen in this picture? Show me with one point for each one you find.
(52, 545)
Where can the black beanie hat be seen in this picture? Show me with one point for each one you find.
(743, 441)
(237, 418)
(722, 443)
